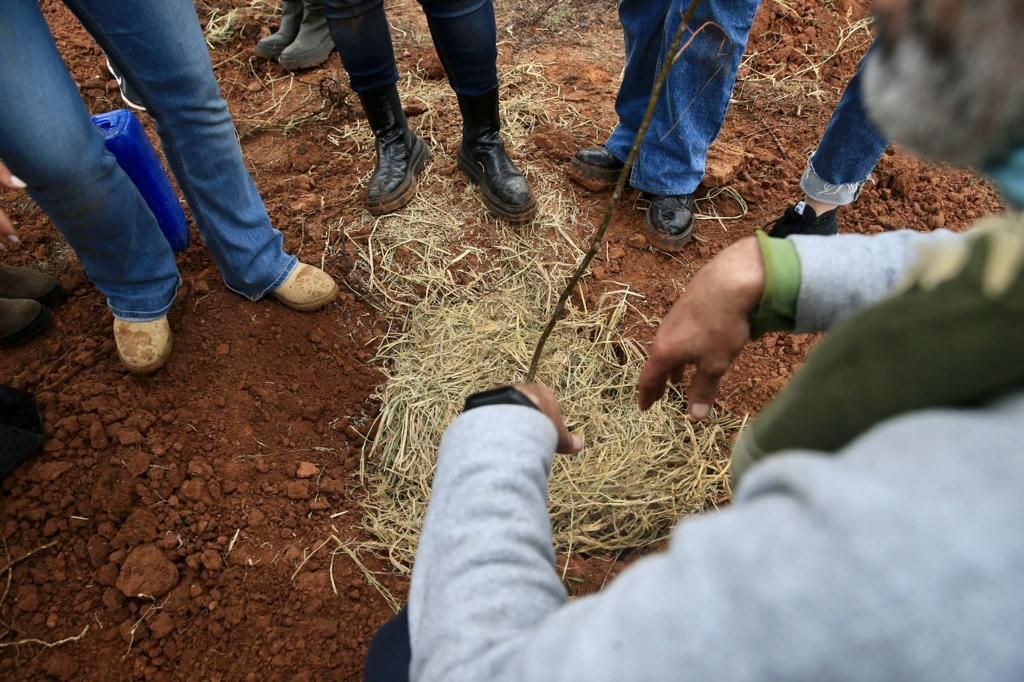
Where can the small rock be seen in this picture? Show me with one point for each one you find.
(223, 349)
(137, 463)
(211, 560)
(51, 471)
(60, 665)
(129, 437)
(147, 571)
(255, 86)
(26, 599)
(306, 470)
(415, 107)
(637, 241)
(256, 518)
(162, 625)
(297, 490)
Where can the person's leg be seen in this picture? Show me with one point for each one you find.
(643, 30)
(160, 48)
(390, 651)
(363, 40)
(465, 36)
(838, 169)
(847, 153)
(48, 141)
(695, 97)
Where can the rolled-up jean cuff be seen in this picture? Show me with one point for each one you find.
(826, 192)
(293, 262)
(121, 313)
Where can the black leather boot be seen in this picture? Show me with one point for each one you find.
(401, 155)
(313, 44)
(670, 222)
(596, 168)
(273, 45)
(482, 157)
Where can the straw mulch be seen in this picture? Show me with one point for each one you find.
(468, 311)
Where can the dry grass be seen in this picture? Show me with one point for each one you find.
(469, 298)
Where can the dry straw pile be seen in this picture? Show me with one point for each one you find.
(469, 301)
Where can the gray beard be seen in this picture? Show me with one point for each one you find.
(963, 107)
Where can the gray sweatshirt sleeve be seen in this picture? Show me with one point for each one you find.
(843, 274)
(860, 567)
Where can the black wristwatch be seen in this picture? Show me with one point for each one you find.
(504, 395)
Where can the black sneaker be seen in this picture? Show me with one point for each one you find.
(128, 94)
(801, 219)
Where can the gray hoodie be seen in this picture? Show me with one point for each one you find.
(899, 559)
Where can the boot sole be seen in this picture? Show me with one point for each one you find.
(663, 242)
(400, 197)
(314, 56)
(593, 178)
(513, 214)
(30, 331)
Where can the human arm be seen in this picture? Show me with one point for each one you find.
(737, 292)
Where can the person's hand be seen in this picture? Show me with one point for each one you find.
(707, 327)
(546, 402)
(7, 233)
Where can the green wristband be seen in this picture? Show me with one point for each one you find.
(777, 310)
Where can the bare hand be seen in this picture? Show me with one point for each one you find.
(7, 233)
(707, 327)
(546, 402)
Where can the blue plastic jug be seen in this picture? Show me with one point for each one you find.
(127, 141)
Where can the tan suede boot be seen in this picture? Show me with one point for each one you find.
(21, 319)
(307, 288)
(29, 283)
(143, 346)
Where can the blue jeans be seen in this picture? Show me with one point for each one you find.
(848, 151)
(464, 34)
(696, 95)
(47, 139)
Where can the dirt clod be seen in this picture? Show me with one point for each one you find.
(147, 571)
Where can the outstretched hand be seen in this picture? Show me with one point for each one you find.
(7, 232)
(707, 328)
(541, 396)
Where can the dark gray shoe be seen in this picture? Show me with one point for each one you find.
(273, 45)
(313, 45)
(31, 284)
(21, 320)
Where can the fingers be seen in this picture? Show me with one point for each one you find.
(652, 384)
(703, 387)
(541, 396)
(8, 180)
(7, 233)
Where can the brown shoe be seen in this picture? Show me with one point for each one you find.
(21, 319)
(307, 288)
(143, 346)
(30, 283)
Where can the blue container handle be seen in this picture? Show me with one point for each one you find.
(127, 141)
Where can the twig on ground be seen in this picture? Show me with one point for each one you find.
(48, 645)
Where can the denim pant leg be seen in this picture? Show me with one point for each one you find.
(47, 139)
(465, 37)
(848, 151)
(362, 37)
(643, 26)
(160, 48)
(692, 105)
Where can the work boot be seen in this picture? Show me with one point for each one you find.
(595, 168)
(273, 45)
(143, 346)
(313, 44)
(802, 219)
(482, 157)
(401, 155)
(669, 223)
(21, 320)
(306, 288)
(30, 283)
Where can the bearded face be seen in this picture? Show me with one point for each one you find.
(947, 79)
